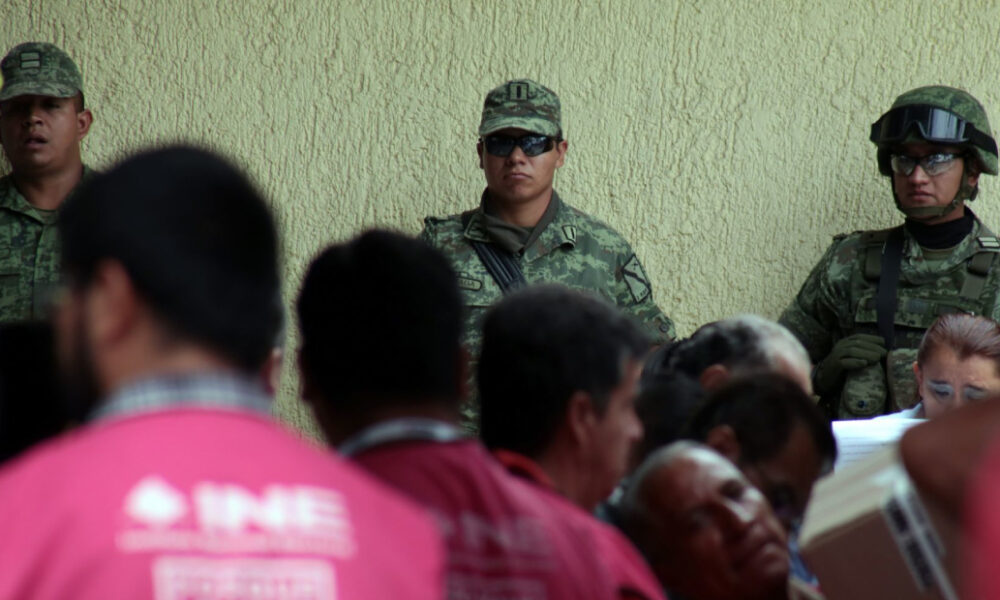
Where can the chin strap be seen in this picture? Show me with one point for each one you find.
(965, 192)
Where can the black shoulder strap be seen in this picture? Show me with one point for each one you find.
(885, 303)
(501, 264)
(874, 242)
(980, 263)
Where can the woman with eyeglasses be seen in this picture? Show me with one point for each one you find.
(958, 363)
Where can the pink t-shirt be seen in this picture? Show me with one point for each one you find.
(504, 541)
(206, 503)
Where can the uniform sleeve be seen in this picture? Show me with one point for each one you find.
(810, 316)
(635, 296)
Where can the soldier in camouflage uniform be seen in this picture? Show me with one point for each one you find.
(42, 122)
(525, 231)
(864, 308)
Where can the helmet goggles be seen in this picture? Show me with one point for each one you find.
(935, 124)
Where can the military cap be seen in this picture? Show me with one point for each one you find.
(39, 68)
(522, 104)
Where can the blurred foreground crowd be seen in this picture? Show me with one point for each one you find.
(508, 413)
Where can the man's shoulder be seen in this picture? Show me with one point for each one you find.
(590, 226)
(444, 231)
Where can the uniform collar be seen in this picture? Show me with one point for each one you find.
(410, 429)
(560, 232)
(525, 468)
(12, 199)
(969, 245)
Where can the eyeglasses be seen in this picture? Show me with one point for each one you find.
(935, 124)
(531, 144)
(932, 164)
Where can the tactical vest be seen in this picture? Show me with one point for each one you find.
(972, 289)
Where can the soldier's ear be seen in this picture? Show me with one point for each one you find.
(84, 119)
(479, 151)
(561, 148)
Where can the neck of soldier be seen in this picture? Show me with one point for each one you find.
(47, 190)
(520, 213)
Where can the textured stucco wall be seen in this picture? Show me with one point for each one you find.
(726, 140)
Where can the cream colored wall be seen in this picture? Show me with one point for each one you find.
(727, 140)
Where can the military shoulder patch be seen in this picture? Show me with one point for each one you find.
(636, 279)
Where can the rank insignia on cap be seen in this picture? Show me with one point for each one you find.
(517, 90)
(31, 60)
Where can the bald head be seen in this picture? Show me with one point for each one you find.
(707, 533)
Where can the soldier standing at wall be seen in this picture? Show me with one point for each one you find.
(523, 233)
(42, 122)
(865, 306)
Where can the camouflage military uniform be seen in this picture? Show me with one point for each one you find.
(838, 300)
(575, 250)
(29, 256)
(864, 368)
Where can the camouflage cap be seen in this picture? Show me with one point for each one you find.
(39, 68)
(522, 104)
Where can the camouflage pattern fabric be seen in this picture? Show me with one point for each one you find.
(29, 256)
(575, 250)
(837, 300)
(41, 69)
(522, 104)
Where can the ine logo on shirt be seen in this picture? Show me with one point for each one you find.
(223, 517)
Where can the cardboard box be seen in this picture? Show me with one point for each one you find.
(868, 534)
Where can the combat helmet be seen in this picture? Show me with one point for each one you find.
(940, 115)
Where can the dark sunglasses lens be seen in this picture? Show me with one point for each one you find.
(533, 145)
(499, 145)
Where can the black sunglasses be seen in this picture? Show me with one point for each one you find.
(531, 144)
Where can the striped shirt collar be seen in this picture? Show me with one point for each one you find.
(210, 390)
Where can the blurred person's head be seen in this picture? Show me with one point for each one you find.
(958, 363)
(31, 408)
(380, 319)
(732, 347)
(769, 428)
(665, 408)
(170, 265)
(557, 379)
(707, 533)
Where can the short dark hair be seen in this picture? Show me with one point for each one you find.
(197, 241)
(763, 410)
(381, 316)
(665, 409)
(540, 345)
